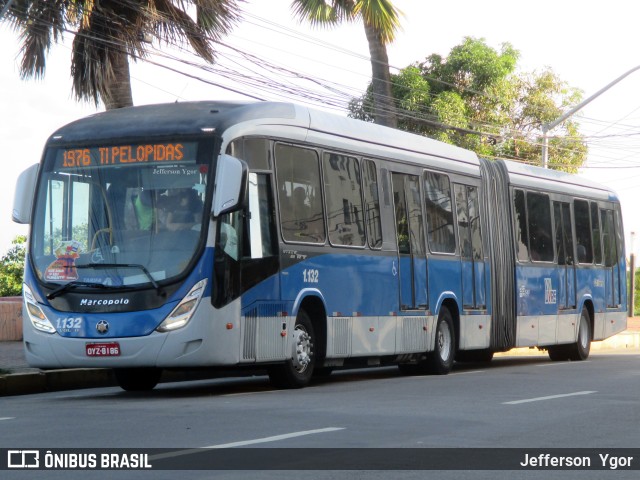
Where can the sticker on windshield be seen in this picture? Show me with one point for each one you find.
(64, 266)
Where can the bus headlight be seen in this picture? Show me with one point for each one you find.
(181, 315)
(38, 319)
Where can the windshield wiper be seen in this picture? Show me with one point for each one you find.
(76, 284)
(126, 265)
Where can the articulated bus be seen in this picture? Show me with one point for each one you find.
(273, 236)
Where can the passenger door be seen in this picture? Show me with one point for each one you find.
(611, 255)
(412, 262)
(470, 239)
(566, 260)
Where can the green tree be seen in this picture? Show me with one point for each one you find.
(381, 20)
(109, 32)
(476, 99)
(12, 268)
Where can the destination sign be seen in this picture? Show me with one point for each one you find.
(126, 155)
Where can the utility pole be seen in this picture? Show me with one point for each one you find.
(632, 276)
(551, 125)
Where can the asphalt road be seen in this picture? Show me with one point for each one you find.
(525, 402)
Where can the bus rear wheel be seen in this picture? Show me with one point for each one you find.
(297, 372)
(575, 351)
(137, 379)
(440, 361)
(580, 350)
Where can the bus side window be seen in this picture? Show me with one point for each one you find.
(609, 238)
(442, 237)
(253, 150)
(343, 200)
(522, 236)
(462, 207)
(539, 225)
(583, 231)
(564, 235)
(372, 204)
(595, 230)
(228, 234)
(298, 181)
(468, 211)
(259, 232)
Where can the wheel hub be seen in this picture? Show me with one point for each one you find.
(302, 350)
(444, 342)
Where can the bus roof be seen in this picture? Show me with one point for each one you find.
(189, 118)
(530, 176)
(192, 117)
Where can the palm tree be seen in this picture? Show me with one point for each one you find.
(108, 32)
(381, 20)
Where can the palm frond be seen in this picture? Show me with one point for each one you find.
(40, 23)
(382, 16)
(107, 31)
(316, 12)
(170, 24)
(217, 17)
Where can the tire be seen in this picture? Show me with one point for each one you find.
(137, 379)
(297, 372)
(575, 351)
(440, 361)
(558, 353)
(580, 350)
(474, 356)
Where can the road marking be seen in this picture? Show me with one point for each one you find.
(7, 418)
(467, 373)
(259, 392)
(550, 397)
(255, 441)
(248, 393)
(557, 364)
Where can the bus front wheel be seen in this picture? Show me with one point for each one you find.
(297, 372)
(137, 379)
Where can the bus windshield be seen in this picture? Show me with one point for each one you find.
(102, 209)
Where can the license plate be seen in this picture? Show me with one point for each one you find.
(103, 349)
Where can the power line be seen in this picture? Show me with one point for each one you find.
(267, 77)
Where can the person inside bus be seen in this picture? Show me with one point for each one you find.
(541, 246)
(143, 208)
(300, 209)
(185, 213)
(300, 202)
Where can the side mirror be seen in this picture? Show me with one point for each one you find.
(230, 185)
(23, 197)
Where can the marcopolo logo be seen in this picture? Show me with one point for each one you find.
(103, 302)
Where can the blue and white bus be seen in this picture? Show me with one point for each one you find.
(271, 235)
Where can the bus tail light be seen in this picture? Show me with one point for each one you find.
(38, 319)
(181, 315)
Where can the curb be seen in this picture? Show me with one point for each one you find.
(55, 380)
(80, 378)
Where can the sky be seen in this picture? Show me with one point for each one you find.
(587, 44)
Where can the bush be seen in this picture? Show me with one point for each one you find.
(12, 268)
